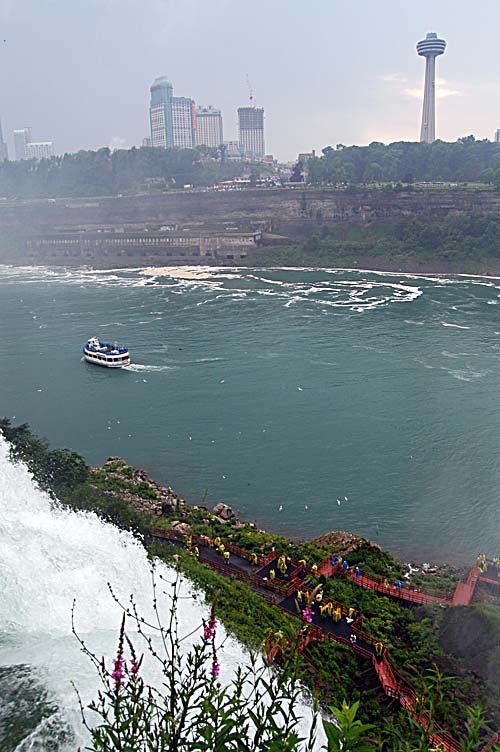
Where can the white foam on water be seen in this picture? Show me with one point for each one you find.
(468, 375)
(139, 367)
(294, 299)
(191, 272)
(182, 279)
(454, 326)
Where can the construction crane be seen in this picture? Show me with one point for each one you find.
(250, 90)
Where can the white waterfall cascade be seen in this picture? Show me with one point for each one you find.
(50, 556)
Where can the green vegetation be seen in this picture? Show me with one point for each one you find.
(424, 643)
(465, 241)
(108, 482)
(66, 476)
(466, 160)
(245, 614)
(106, 173)
(257, 710)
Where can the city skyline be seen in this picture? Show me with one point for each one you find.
(178, 122)
(376, 96)
(26, 148)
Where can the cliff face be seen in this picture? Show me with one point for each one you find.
(289, 213)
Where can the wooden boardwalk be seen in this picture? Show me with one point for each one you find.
(464, 591)
(387, 587)
(462, 595)
(282, 591)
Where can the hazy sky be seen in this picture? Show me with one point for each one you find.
(325, 71)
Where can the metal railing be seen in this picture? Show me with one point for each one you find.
(407, 593)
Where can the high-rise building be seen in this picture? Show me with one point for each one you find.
(251, 131)
(430, 48)
(209, 126)
(22, 137)
(183, 122)
(160, 113)
(39, 150)
(4, 152)
(26, 148)
(497, 136)
(172, 119)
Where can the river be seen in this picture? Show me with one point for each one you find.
(308, 400)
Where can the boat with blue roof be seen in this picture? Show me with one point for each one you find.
(106, 354)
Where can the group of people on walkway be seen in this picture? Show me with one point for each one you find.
(282, 567)
(307, 600)
(222, 550)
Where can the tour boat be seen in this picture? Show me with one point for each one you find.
(104, 354)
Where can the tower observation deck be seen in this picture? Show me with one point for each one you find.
(430, 48)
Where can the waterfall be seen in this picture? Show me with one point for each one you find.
(50, 556)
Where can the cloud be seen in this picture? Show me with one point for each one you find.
(398, 80)
(443, 90)
(118, 142)
(393, 78)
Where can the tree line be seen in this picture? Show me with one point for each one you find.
(107, 173)
(466, 160)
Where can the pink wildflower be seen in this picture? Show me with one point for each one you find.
(118, 674)
(209, 629)
(134, 669)
(215, 667)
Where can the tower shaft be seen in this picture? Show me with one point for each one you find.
(430, 48)
(428, 129)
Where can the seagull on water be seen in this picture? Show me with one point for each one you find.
(338, 502)
(280, 508)
(306, 507)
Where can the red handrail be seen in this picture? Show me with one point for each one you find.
(407, 592)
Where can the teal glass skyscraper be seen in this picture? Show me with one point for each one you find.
(160, 113)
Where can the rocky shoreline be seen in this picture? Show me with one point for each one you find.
(134, 486)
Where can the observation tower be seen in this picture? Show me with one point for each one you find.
(430, 48)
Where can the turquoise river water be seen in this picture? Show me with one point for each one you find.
(309, 400)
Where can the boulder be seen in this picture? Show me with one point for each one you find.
(223, 510)
(182, 527)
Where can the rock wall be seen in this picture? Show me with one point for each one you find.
(291, 213)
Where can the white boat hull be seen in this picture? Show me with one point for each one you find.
(105, 360)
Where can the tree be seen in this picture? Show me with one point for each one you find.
(297, 175)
